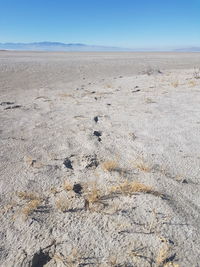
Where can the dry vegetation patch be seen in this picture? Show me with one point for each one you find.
(130, 188)
(32, 202)
(27, 195)
(175, 84)
(67, 186)
(164, 258)
(109, 165)
(142, 165)
(31, 206)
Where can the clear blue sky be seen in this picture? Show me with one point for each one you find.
(125, 23)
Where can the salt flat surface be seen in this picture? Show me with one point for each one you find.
(99, 159)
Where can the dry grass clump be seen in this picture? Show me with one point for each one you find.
(109, 165)
(74, 259)
(142, 166)
(55, 190)
(192, 83)
(129, 188)
(63, 204)
(31, 206)
(66, 95)
(175, 84)
(108, 86)
(151, 70)
(32, 162)
(149, 101)
(7, 208)
(32, 202)
(93, 196)
(27, 196)
(162, 256)
(67, 186)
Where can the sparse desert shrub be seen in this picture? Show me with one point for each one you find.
(67, 186)
(165, 256)
(66, 95)
(129, 188)
(150, 70)
(162, 256)
(175, 84)
(192, 83)
(93, 196)
(32, 162)
(54, 190)
(141, 165)
(7, 208)
(30, 207)
(196, 73)
(109, 165)
(71, 260)
(27, 196)
(149, 101)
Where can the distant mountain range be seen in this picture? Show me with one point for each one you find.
(188, 49)
(56, 46)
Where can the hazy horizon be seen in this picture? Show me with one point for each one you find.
(58, 46)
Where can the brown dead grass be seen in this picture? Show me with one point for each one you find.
(192, 83)
(67, 186)
(65, 95)
(109, 165)
(129, 188)
(27, 195)
(30, 207)
(142, 166)
(162, 256)
(33, 162)
(93, 196)
(175, 84)
(7, 208)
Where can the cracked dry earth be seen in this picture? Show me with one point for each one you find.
(100, 170)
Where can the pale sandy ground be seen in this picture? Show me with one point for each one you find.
(150, 133)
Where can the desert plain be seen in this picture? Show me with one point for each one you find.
(99, 159)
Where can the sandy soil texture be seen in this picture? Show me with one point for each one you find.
(99, 159)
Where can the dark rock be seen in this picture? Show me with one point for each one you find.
(92, 161)
(77, 188)
(96, 119)
(40, 259)
(68, 164)
(97, 133)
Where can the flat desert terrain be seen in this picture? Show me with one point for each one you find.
(99, 159)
